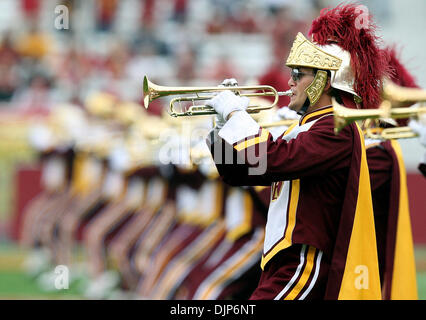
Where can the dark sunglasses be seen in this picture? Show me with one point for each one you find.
(296, 75)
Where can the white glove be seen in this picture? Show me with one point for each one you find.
(285, 113)
(420, 129)
(219, 121)
(231, 82)
(226, 102)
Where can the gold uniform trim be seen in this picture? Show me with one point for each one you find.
(316, 113)
(304, 53)
(361, 279)
(404, 283)
(287, 240)
(253, 141)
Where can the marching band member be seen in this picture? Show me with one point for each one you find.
(230, 270)
(124, 189)
(320, 237)
(90, 177)
(390, 203)
(122, 245)
(56, 159)
(159, 187)
(196, 227)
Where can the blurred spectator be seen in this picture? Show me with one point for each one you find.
(35, 44)
(9, 59)
(147, 15)
(244, 20)
(37, 97)
(72, 70)
(186, 65)
(30, 9)
(180, 11)
(218, 21)
(283, 28)
(106, 10)
(221, 69)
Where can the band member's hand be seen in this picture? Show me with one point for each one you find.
(420, 129)
(285, 113)
(231, 82)
(226, 102)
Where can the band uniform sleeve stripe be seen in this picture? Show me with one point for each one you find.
(253, 141)
(316, 113)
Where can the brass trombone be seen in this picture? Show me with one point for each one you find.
(153, 91)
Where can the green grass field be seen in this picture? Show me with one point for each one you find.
(16, 284)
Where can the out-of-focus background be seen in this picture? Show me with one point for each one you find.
(51, 56)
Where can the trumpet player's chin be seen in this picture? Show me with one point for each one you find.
(297, 101)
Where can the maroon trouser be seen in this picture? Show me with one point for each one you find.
(296, 273)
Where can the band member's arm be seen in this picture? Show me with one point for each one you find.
(259, 160)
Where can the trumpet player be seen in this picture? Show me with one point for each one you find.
(320, 238)
(390, 203)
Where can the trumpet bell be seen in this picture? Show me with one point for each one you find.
(152, 91)
(400, 96)
(344, 116)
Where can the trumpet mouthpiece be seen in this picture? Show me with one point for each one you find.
(286, 93)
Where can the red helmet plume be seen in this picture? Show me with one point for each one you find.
(352, 28)
(398, 73)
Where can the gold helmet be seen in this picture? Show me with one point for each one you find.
(331, 57)
(345, 49)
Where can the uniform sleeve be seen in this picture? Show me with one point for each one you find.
(259, 160)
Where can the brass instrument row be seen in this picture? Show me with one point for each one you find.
(392, 107)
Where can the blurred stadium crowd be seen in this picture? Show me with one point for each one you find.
(111, 44)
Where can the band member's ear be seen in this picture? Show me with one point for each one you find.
(328, 87)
